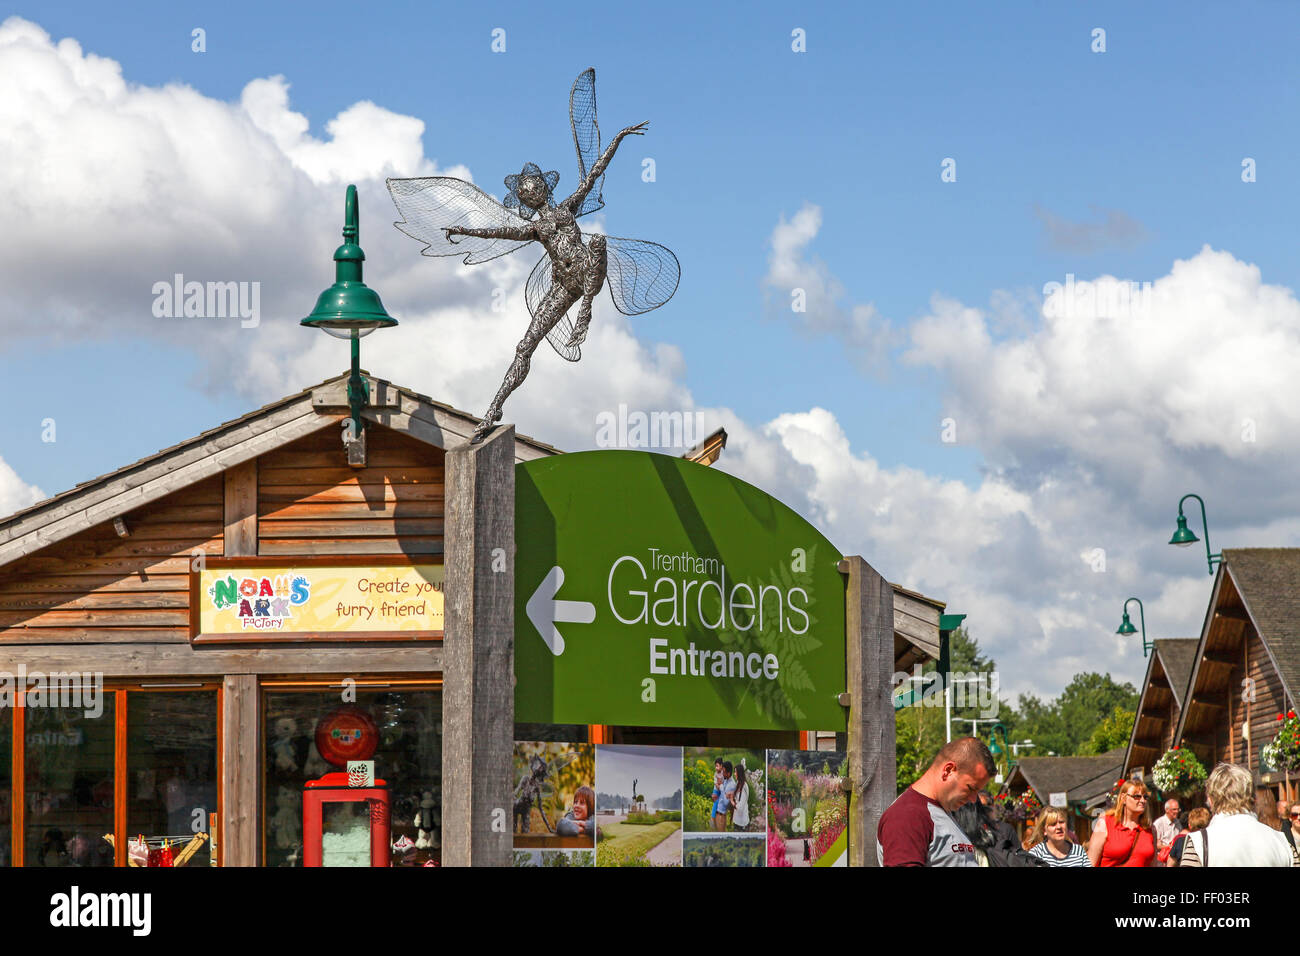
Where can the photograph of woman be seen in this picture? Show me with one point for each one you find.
(740, 799)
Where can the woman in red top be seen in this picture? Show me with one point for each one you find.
(1122, 836)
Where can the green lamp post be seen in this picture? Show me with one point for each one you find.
(1126, 626)
(1184, 537)
(1001, 752)
(349, 309)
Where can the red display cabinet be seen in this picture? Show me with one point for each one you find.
(344, 825)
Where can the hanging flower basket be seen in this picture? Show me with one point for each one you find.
(1178, 772)
(1017, 807)
(1283, 751)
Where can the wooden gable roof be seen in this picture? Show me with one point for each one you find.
(1252, 604)
(1268, 580)
(232, 443)
(1080, 778)
(1164, 693)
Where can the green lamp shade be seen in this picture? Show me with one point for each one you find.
(1184, 535)
(994, 747)
(1126, 627)
(349, 304)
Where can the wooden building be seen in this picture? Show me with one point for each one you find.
(1083, 780)
(194, 734)
(1244, 671)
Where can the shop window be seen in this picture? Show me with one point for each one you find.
(6, 785)
(171, 755)
(68, 771)
(408, 758)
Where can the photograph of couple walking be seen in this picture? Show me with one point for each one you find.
(724, 790)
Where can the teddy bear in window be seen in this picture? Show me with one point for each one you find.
(282, 735)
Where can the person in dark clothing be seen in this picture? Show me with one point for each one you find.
(994, 838)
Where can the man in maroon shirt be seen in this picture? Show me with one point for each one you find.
(916, 830)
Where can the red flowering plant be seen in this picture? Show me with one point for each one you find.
(1017, 807)
(1029, 805)
(1113, 794)
(1178, 772)
(1283, 751)
(776, 850)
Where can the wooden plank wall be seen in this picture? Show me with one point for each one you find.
(97, 587)
(310, 502)
(1270, 698)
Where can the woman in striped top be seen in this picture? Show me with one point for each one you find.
(1050, 840)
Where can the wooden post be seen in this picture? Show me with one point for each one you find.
(869, 601)
(478, 711)
(241, 745)
(241, 767)
(240, 538)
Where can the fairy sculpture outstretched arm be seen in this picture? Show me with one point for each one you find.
(523, 231)
(574, 202)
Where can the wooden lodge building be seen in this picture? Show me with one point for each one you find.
(1219, 695)
(204, 729)
(1084, 782)
(100, 580)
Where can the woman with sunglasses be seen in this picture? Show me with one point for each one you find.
(1291, 830)
(1122, 836)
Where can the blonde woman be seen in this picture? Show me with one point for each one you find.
(1234, 837)
(1122, 836)
(1050, 840)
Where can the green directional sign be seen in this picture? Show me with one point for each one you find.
(654, 591)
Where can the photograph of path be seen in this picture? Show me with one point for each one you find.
(807, 809)
(638, 806)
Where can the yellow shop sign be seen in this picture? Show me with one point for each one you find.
(241, 601)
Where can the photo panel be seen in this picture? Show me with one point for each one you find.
(555, 796)
(638, 806)
(723, 790)
(807, 808)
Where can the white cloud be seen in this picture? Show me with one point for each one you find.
(1113, 228)
(804, 291)
(16, 494)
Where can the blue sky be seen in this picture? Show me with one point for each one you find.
(744, 130)
(1051, 142)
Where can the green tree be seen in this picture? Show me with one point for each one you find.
(1112, 732)
(1066, 725)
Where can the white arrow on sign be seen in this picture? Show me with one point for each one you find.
(545, 611)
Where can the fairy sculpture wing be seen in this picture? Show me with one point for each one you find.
(641, 275)
(535, 289)
(586, 135)
(433, 203)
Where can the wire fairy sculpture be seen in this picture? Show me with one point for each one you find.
(453, 217)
